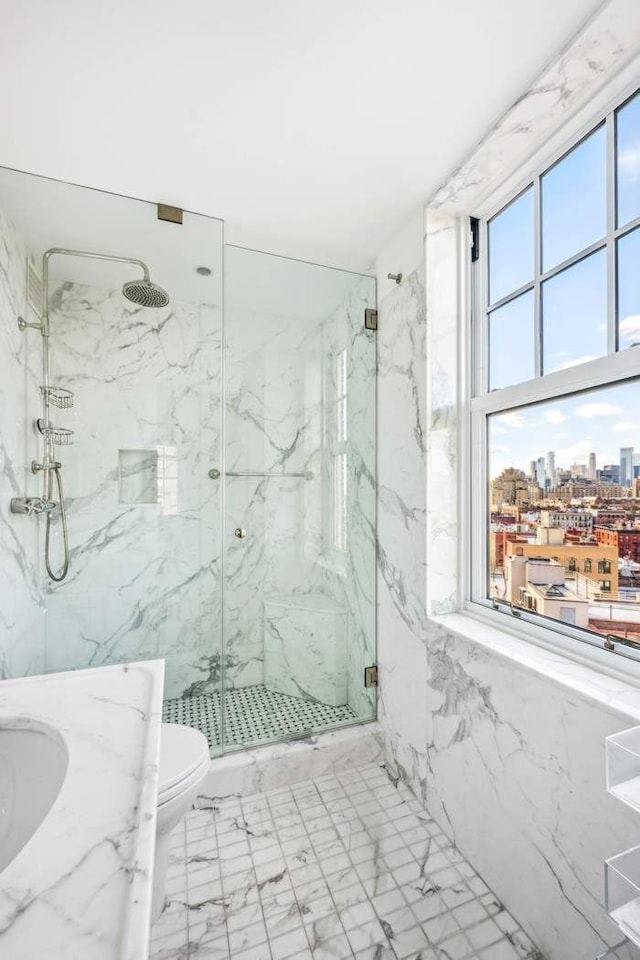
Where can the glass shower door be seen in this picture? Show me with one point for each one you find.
(143, 389)
(299, 498)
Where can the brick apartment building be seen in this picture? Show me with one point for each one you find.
(625, 541)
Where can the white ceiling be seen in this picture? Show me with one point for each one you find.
(313, 129)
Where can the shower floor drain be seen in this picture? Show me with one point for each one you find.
(253, 715)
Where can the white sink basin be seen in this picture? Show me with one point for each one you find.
(33, 765)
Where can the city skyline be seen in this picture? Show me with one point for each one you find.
(601, 422)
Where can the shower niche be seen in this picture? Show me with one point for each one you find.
(191, 421)
(138, 476)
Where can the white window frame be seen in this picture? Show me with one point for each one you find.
(476, 405)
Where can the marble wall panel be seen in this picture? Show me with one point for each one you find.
(273, 425)
(21, 599)
(144, 578)
(305, 647)
(515, 775)
(507, 758)
(402, 445)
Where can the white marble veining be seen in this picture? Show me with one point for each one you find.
(22, 649)
(525, 731)
(540, 822)
(146, 382)
(283, 414)
(402, 444)
(81, 886)
(305, 647)
(603, 46)
(347, 866)
(442, 306)
(280, 764)
(147, 534)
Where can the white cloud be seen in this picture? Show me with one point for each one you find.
(575, 453)
(511, 419)
(555, 416)
(573, 363)
(625, 426)
(629, 328)
(560, 436)
(602, 409)
(629, 161)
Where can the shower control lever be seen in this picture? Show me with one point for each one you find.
(30, 505)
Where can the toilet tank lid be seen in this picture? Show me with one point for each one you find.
(182, 750)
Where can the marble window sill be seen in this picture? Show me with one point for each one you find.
(591, 675)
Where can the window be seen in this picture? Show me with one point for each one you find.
(554, 431)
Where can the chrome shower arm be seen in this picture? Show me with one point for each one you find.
(65, 252)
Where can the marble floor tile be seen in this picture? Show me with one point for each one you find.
(345, 867)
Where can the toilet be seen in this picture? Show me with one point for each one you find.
(184, 764)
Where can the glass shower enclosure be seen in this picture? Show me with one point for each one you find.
(220, 486)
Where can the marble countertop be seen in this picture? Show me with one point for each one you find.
(81, 887)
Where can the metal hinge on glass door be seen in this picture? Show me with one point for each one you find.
(371, 676)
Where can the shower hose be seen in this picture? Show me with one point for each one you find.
(65, 533)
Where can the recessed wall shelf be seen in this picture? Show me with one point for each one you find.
(623, 766)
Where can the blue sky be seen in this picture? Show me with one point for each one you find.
(601, 421)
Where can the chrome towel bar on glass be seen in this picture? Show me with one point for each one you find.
(215, 474)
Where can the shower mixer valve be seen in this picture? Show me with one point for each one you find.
(32, 505)
(52, 465)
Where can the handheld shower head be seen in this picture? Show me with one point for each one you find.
(145, 293)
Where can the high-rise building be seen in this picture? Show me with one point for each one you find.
(551, 467)
(533, 470)
(591, 470)
(626, 466)
(540, 472)
(610, 473)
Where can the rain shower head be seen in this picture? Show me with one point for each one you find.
(145, 293)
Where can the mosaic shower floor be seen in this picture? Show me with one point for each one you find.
(346, 866)
(254, 715)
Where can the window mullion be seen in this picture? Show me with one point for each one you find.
(537, 270)
(479, 305)
(612, 333)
